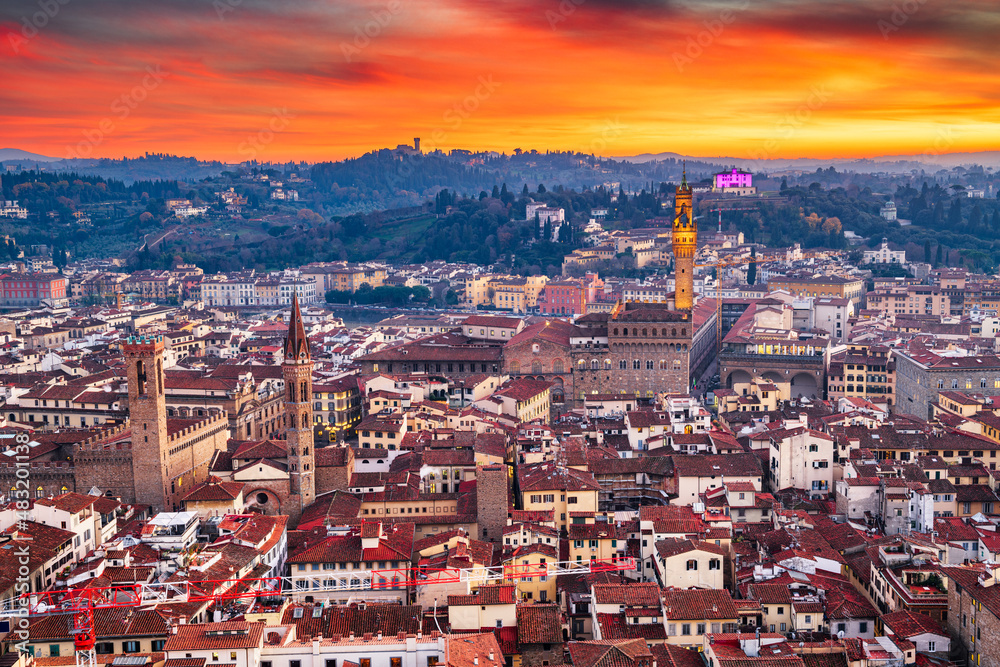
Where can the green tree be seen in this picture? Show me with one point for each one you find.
(955, 214)
(752, 268)
(338, 296)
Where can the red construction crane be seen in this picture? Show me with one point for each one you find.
(81, 602)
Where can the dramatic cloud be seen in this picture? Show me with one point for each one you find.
(774, 78)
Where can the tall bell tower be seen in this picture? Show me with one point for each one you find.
(685, 244)
(147, 406)
(297, 372)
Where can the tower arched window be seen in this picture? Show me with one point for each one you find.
(159, 374)
(304, 390)
(140, 376)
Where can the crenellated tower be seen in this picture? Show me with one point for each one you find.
(151, 473)
(685, 245)
(297, 372)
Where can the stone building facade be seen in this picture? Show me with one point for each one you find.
(974, 615)
(639, 349)
(170, 457)
(921, 375)
(492, 502)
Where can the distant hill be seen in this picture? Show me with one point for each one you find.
(18, 154)
(893, 163)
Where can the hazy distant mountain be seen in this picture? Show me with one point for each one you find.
(18, 154)
(897, 163)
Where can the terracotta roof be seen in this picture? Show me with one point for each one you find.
(547, 476)
(210, 636)
(698, 604)
(909, 624)
(633, 595)
(609, 653)
(215, 490)
(68, 502)
(539, 624)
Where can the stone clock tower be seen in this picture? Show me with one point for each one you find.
(685, 245)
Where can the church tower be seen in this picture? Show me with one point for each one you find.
(685, 245)
(148, 420)
(297, 372)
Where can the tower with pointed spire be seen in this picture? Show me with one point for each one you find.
(297, 372)
(685, 244)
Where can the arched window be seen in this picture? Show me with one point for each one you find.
(304, 390)
(616, 331)
(635, 332)
(645, 332)
(673, 332)
(536, 367)
(557, 366)
(39, 492)
(684, 331)
(654, 332)
(515, 367)
(607, 364)
(624, 331)
(663, 364)
(582, 364)
(140, 376)
(159, 374)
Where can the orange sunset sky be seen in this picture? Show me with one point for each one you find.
(742, 78)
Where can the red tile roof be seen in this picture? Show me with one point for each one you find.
(210, 636)
(539, 624)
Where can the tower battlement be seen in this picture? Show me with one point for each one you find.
(187, 431)
(143, 345)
